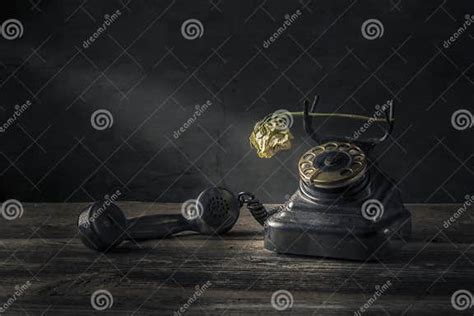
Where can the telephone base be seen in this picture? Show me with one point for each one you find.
(336, 228)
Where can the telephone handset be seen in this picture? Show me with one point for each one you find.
(343, 208)
(102, 228)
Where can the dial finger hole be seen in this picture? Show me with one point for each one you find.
(317, 150)
(344, 147)
(330, 146)
(308, 172)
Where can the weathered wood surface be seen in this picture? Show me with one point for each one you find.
(157, 277)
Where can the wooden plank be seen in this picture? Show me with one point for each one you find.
(418, 265)
(42, 247)
(58, 220)
(165, 301)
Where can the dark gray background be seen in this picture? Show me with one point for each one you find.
(150, 78)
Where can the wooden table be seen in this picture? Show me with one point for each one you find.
(159, 277)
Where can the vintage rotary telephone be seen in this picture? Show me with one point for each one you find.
(344, 207)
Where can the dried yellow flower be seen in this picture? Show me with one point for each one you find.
(270, 136)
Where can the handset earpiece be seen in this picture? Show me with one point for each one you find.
(102, 227)
(220, 211)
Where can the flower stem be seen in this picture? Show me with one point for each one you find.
(344, 115)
